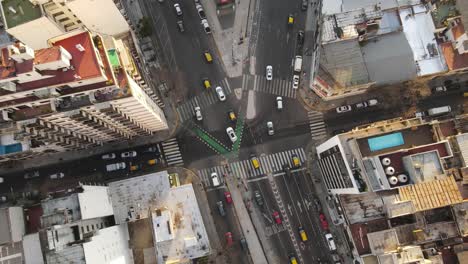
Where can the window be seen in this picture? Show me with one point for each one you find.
(82, 229)
(87, 228)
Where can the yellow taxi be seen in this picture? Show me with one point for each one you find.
(208, 56)
(151, 162)
(290, 20)
(206, 83)
(232, 116)
(296, 161)
(292, 260)
(255, 161)
(302, 234)
(134, 167)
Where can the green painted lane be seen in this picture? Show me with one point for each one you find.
(212, 142)
(239, 130)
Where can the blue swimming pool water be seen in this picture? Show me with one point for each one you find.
(387, 141)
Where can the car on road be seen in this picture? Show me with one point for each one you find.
(254, 161)
(290, 20)
(134, 167)
(292, 259)
(206, 26)
(323, 221)
(296, 161)
(1, 180)
(276, 217)
(304, 5)
(208, 56)
(108, 156)
(58, 175)
(318, 205)
(271, 130)
(178, 9)
(231, 134)
(128, 154)
(302, 234)
(343, 109)
(279, 103)
(206, 83)
(243, 244)
(295, 81)
(440, 89)
(152, 149)
(220, 93)
(300, 38)
(215, 179)
(228, 197)
(269, 72)
(31, 174)
(338, 131)
(228, 237)
(258, 197)
(201, 12)
(115, 166)
(330, 241)
(367, 103)
(232, 115)
(180, 26)
(198, 114)
(220, 207)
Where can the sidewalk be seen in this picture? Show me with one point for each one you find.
(232, 43)
(255, 248)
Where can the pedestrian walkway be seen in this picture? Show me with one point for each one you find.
(171, 152)
(187, 109)
(244, 169)
(259, 83)
(317, 125)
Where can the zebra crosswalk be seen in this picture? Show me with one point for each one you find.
(244, 168)
(209, 97)
(259, 83)
(171, 152)
(317, 125)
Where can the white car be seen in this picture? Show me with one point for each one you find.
(221, 95)
(330, 241)
(58, 175)
(201, 12)
(129, 154)
(279, 103)
(215, 179)
(343, 109)
(295, 81)
(269, 72)
(178, 9)
(271, 131)
(206, 26)
(231, 134)
(108, 156)
(198, 114)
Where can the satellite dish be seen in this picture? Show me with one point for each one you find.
(393, 180)
(389, 171)
(386, 161)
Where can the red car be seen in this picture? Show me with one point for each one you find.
(323, 221)
(277, 218)
(228, 237)
(228, 197)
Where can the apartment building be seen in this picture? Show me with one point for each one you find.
(33, 22)
(74, 94)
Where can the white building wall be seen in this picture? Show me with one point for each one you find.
(109, 245)
(95, 202)
(17, 226)
(36, 32)
(91, 14)
(32, 249)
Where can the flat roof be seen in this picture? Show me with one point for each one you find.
(359, 233)
(460, 217)
(363, 207)
(383, 241)
(17, 12)
(462, 141)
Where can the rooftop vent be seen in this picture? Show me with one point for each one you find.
(393, 180)
(389, 171)
(79, 47)
(386, 161)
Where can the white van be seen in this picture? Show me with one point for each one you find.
(330, 241)
(116, 166)
(215, 179)
(298, 64)
(439, 110)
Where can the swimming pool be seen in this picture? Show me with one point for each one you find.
(387, 141)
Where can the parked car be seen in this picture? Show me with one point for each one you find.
(300, 38)
(31, 174)
(180, 26)
(243, 244)
(152, 149)
(228, 237)
(206, 26)
(231, 134)
(258, 197)
(269, 72)
(343, 109)
(220, 93)
(220, 207)
(304, 5)
(323, 221)
(201, 12)
(198, 114)
(115, 166)
(276, 217)
(1, 180)
(58, 175)
(228, 197)
(295, 81)
(271, 130)
(129, 154)
(108, 156)
(178, 9)
(440, 89)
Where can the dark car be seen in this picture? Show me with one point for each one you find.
(300, 38)
(258, 198)
(180, 26)
(304, 5)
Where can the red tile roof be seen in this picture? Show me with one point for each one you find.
(47, 55)
(458, 30)
(453, 59)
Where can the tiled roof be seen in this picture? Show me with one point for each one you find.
(47, 55)
(453, 59)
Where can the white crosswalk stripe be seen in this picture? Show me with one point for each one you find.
(207, 98)
(259, 83)
(171, 152)
(244, 168)
(317, 125)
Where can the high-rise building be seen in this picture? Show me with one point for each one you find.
(34, 22)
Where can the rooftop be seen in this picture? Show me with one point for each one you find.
(359, 233)
(366, 207)
(461, 218)
(383, 241)
(18, 12)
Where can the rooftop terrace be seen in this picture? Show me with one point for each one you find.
(17, 12)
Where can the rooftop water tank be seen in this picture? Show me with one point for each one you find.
(386, 161)
(393, 180)
(390, 171)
